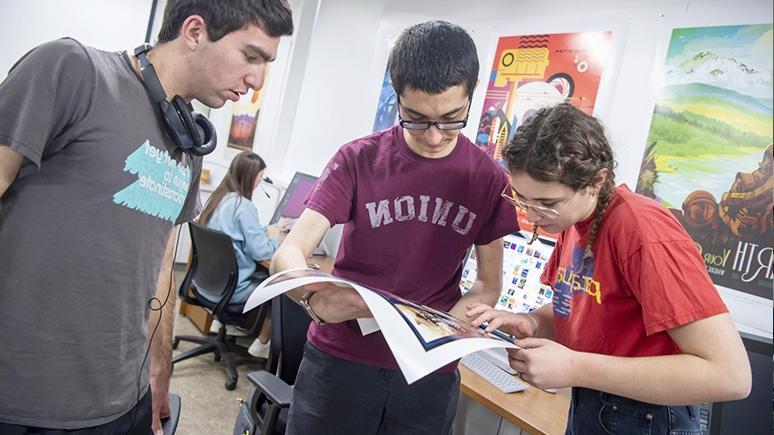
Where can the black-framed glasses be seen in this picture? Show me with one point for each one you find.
(440, 125)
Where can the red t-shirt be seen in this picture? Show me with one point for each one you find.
(646, 276)
(408, 222)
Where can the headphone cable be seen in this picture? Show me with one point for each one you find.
(158, 322)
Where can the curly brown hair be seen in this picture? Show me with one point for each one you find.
(563, 144)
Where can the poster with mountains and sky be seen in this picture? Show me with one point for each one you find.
(708, 156)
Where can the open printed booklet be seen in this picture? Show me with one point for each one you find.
(421, 339)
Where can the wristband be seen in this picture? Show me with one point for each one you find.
(304, 302)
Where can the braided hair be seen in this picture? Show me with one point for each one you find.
(563, 144)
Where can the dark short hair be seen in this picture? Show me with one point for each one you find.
(562, 144)
(432, 57)
(225, 16)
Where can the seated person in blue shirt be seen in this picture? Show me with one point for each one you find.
(230, 210)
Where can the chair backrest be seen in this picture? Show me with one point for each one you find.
(213, 267)
(288, 337)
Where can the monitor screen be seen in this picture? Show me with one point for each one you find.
(292, 203)
(522, 267)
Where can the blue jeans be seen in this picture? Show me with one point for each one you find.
(332, 396)
(594, 412)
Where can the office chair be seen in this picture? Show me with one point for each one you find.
(214, 267)
(267, 407)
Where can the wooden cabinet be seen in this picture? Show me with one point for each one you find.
(200, 317)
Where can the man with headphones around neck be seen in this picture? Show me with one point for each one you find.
(100, 157)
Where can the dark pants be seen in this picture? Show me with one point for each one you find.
(135, 422)
(337, 397)
(594, 412)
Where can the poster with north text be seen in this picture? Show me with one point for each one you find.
(708, 156)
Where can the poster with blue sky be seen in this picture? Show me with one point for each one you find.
(387, 107)
(708, 156)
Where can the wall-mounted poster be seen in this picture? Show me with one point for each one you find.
(387, 108)
(244, 120)
(534, 71)
(709, 150)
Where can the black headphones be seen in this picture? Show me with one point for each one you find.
(192, 131)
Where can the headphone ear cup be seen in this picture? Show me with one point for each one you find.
(196, 135)
(209, 136)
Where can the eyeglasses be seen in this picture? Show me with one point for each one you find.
(440, 125)
(544, 212)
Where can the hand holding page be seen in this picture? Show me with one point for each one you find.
(421, 338)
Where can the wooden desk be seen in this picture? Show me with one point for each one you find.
(202, 319)
(534, 410)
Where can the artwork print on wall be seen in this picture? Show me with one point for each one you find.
(709, 149)
(244, 120)
(534, 71)
(387, 107)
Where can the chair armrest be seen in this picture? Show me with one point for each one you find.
(169, 425)
(275, 389)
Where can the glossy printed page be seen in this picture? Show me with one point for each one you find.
(421, 338)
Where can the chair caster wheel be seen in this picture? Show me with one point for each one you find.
(231, 384)
(217, 357)
(175, 343)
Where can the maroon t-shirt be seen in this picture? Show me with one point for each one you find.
(408, 222)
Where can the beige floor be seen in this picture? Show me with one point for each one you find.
(207, 407)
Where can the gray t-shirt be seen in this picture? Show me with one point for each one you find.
(83, 230)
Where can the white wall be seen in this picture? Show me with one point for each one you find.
(105, 24)
(338, 93)
(350, 41)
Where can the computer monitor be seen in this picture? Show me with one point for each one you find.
(292, 203)
(523, 265)
(753, 415)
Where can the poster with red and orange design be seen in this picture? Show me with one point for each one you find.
(534, 71)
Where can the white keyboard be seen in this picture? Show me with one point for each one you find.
(506, 382)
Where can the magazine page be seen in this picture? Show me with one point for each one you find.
(421, 339)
